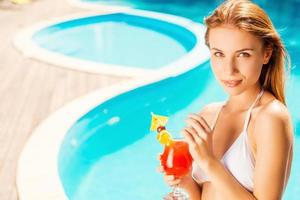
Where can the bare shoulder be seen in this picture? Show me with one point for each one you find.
(273, 120)
(273, 135)
(209, 110)
(274, 110)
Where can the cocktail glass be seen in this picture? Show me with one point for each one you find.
(177, 161)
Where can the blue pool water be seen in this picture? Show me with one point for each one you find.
(284, 15)
(120, 39)
(109, 153)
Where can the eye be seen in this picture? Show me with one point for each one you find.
(218, 54)
(243, 54)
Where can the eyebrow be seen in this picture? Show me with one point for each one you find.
(244, 49)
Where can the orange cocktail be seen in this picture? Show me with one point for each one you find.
(176, 158)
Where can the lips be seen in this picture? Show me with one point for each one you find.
(231, 83)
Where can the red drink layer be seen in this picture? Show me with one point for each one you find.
(176, 159)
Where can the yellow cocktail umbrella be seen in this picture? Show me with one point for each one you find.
(158, 120)
(163, 136)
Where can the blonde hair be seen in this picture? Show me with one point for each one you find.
(249, 17)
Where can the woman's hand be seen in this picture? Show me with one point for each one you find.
(199, 137)
(186, 183)
(183, 182)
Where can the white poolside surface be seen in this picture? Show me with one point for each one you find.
(31, 90)
(37, 176)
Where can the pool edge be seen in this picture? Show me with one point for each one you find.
(44, 183)
(24, 44)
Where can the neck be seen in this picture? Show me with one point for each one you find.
(242, 101)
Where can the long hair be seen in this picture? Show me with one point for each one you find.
(249, 17)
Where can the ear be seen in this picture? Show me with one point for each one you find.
(267, 54)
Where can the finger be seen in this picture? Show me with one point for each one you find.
(195, 124)
(158, 157)
(205, 124)
(192, 132)
(187, 137)
(202, 121)
(197, 139)
(197, 127)
(171, 180)
(160, 169)
(168, 197)
(174, 182)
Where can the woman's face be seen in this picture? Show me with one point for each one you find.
(237, 58)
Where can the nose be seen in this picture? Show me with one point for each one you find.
(230, 66)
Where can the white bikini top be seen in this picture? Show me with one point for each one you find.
(238, 159)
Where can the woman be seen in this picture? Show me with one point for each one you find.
(242, 148)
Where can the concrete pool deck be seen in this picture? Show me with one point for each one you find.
(25, 43)
(37, 173)
(32, 90)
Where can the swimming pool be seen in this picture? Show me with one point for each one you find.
(284, 15)
(108, 151)
(119, 39)
(35, 170)
(131, 43)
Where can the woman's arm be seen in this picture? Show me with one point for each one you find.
(187, 183)
(274, 143)
(193, 189)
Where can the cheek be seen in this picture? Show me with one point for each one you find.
(216, 67)
(217, 64)
(250, 69)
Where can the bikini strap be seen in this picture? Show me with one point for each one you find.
(248, 115)
(216, 116)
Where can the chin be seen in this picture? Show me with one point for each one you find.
(233, 91)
